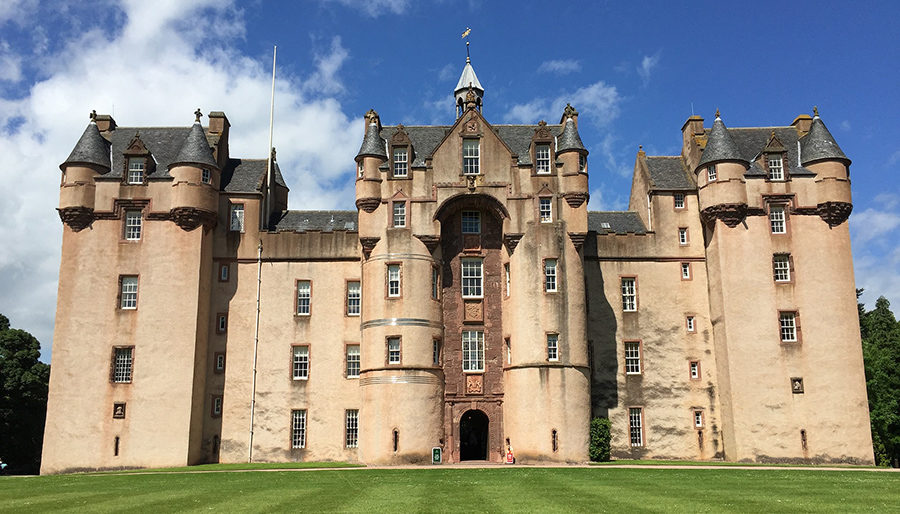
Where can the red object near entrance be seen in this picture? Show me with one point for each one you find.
(509, 458)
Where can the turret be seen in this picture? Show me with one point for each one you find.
(572, 153)
(89, 159)
(720, 178)
(196, 180)
(820, 153)
(467, 80)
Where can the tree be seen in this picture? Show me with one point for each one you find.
(23, 399)
(880, 333)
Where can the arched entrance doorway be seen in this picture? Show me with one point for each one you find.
(473, 436)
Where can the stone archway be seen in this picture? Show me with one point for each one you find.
(474, 435)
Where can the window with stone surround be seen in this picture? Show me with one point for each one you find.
(136, 167)
(694, 370)
(632, 357)
(298, 429)
(679, 200)
(399, 210)
(472, 277)
(552, 347)
(542, 158)
(237, 217)
(777, 219)
(133, 225)
(128, 292)
(354, 296)
(393, 350)
(352, 361)
(789, 328)
(781, 263)
(776, 167)
(698, 419)
(123, 359)
(546, 209)
(393, 280)
(304, 297)
(683, 236)
(711, 173)
(629, 294)
(473, 350)
(300, 367)
(471, 222)
(471, 157)
(636, 425)
(351, 429)
(401, 162)
(550, 275)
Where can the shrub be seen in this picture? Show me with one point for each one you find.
(600, 437)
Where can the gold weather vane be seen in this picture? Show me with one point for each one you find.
(465, 35)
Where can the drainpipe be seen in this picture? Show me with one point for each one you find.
(255, 350)
(649, 217)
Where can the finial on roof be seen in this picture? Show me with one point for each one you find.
(465, 35)
(197, 115)
(569, 111)
(717, 113)
(773, 134)
(640, 148)
(273, 153)
(470, 96)
(93, 116)
(372, 117)
(816, 111)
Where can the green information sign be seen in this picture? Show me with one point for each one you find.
(436, 455)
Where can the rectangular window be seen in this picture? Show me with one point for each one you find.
(582, 162)
(776, 168)
(777, 219)
(220, 362)
(353, 298)
(122, 364)
(471, 157)
(133, 221)
(237, 218)
(216, 408)
(393, 280)
(473, 350)
(636, 426)
(683, 236)
(352, 428)
(360, 170)
(711, 173)
(205, 176)
(401, 162)
(679, 201)
(546, 210)
(435, 282)
(128, 292)
(552, 347)
(304, 297)
(300, 362)
(399, 214)
(222, 323)
(223, 273)
(691, 327)
(550, 275)
(542, 158)
(629, 294)
(782, 267)
(685, 271)
(471, 278)
(436, 352)
(508, 351)
(632, 357)
(698, 419)
(788, 327)
(471, 222)
(695, 370)
(506, 269)
(135, 170)
(393, 347)
(352, 361)
(298, 429)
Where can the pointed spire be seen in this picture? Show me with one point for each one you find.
(468, 81)
(92, 148)
(819, 144)
(720, 146)
(568, 139)
(373, 144)
(196, 149)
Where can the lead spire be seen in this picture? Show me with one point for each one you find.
(467, 80)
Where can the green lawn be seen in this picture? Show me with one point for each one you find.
(436, 489)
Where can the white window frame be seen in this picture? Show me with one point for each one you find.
(698, 419)
(683, 236)
(507, 272)
(553, 347)
(471, 157)
(354, 297)
(393, 281)
(473, 351)
(788, 323)
(136, 169)
(300, 362)
(781, 267)
(401, 162)
(123, 364)
(351, 428)
(778, 219)
(542, 158)
(679, 201)
(304, 297)
(685, 271)
(237, 217)
(128, 292)
(472, 273)
(776, 168)
(629, 294)
(582, 162)
(695, 370)
(550, 275)
(133, 224)
(353, 360)
(399, 212)
(360, 170)
(711, 173)
(636, 426)
(545, 209)
(471, 222)
(633, 358)
(298, 429)
(691, 323)
(394, 355)
(205, 176)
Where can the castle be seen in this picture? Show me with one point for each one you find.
(470, 303)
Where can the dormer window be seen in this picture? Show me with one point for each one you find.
(542, 158)
(401, 162)
(471, 157)
(711, 173)
(776, 167)
(136, 167)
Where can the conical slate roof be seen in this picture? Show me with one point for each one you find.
(569, 139)
(373, 145)
(468, 77)
(819, 145)
(195, 149)
(720, 146)
(91, 149)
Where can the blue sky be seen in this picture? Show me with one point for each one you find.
(634, 72)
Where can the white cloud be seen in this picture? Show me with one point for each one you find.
(845, 126)
(894, 158)
(876, 250)
(647, 64)
(16, 10)
(154, 72)
(598, 101)
(10, 66)
(560, 67)
(872, 225)
(375, 8)
(448, 72)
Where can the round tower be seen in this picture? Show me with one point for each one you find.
(88, 160)
(574, 184)
(195, 191)
(720, 178)
(819, 152)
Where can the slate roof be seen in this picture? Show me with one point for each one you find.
(818, 144)
(372, 144)
(752, 141)
(90, 149)
(317, 221)
(569, 139)
(620, 222)
(670, 174)
(196, 149)
(247, 175)
(720, 146)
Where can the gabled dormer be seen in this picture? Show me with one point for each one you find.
(401, 154)
(772, 159)
(138, 163)
(543, 153)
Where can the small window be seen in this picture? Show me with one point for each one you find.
(542, 158)
(216, 410)
(237, 218)
(508, 351)
(352, 428)
(133, 222)
(352, 361)
(554, 440)
(682, 236)
(695, 370)
(223, 273)
(401, 162)
(222, 323)
(393, 280)
(636, 426)
(506, 270)
(782, 267)
(788, 327)
(128, 292)
(711, 174)
(473, 350)
(797, 385)
(471, 157)
(119, 410)
(552, 347)
(354, 296)
(304, 297)
(605, 225)
(698, 419)
(359, 169)
(582, 162)
(298, 429)
(393, 348)
(435, 283)
(219, 362)
(300, 368)
(550, 275)
(122, 364)
(436, 352)
(471, 222)
(691, 326)
(679, 201)
(632, 357)
(136, 170)
(399, 220)
(685, 271)
(776, 168)
(777, 220)
(472, 278)
(205, 176)
(629, 294)
(546, 210)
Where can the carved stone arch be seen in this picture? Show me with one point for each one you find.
(463, 201)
